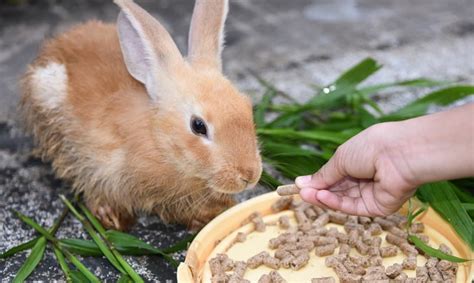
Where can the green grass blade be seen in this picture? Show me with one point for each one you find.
(441, 97)
(115, 254)
(81, 247)
(268, 180)
(468, 206)
(262, 107)
(62, 263)
(310, 135)
(442, 197)
(78, 277)
(180, 245)
(81, 268)
(96, 238)
(124, 279)
(420, 82)
(358, 73)
(25, 246)
(32, 261)
(32, 242)
(432, 251)
(129, 244)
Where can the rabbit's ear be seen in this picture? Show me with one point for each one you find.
(206, 34)
(149, 52)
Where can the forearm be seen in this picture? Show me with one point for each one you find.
(435, 147)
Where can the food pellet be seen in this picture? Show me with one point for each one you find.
(342, 238)
(265, 278)
(394, 240)
(384, 223)
(240, 268)
(349, 277)
(394, 270)
(409, 262)
(310, 213)
(323, 240)
(398, 232)
(353, 237)
(422, 274)
(240, 237)
(220, 278)
(323, 280)
(445, 249)
(424, 238)
(360, 260)
(352, 267)
(375, 229)
(388, 251)
(431, 262)
(362, 248)
(434, 274)
(276, 277)
(322, 220)
(337, 217)
(376, 260)
(374, 251)
(287, 190)
(301, 217)
(375, 273)
(284, 222)
(417, 227)
(257, 260)
(215, 266)
(286, 262)
(299, 261)
(257, 220)
(344, 249)
(271, 262)
(282, 203)
(376, 242)
(402, 277)
(444, 265)
(364, 220)
(325, 250)
(408, 249)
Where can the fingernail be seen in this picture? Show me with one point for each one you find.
(303, 181)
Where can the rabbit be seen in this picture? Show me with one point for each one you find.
(134, 126)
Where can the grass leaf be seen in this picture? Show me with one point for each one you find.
(115, 254)
(25, 246)
(442, 197)
(432, 251)
(62, 263)
(32, 261)
(441, 97)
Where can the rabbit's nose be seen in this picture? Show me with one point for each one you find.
(248, 176)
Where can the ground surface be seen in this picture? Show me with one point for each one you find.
(290, 43)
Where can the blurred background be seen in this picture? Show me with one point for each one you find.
(291, 44)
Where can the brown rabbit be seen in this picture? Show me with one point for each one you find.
(136, 127)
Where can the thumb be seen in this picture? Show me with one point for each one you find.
(331, 173)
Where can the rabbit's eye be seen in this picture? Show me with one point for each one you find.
(198, 126)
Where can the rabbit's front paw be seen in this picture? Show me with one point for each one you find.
(111, 219)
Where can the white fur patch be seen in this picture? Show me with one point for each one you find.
(49, 84)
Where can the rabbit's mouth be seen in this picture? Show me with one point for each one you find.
(234, 186)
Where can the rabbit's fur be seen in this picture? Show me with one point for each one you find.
(111, 107)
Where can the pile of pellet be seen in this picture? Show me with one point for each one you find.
(292, 248)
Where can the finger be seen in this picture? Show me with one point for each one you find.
(309, 195)
(331, 173)
(346, 204)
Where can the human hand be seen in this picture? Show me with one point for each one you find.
(376, 171)
(366, 176)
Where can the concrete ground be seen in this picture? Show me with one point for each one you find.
(290, 43)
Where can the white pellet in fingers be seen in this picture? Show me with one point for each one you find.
(287, 190)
